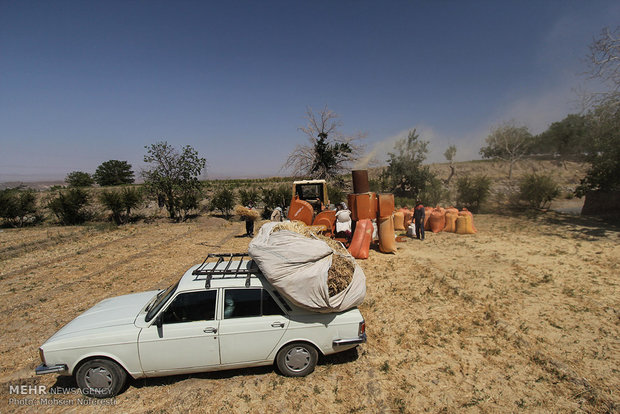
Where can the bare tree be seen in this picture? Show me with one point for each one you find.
(449, 154)
(508, 142)
(329, 152)
(603, 62)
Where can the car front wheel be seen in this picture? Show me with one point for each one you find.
(100, 378)
(297, 359)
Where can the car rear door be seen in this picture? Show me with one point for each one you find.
(187, 338)
(252, 325)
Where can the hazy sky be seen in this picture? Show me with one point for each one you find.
(84, 82)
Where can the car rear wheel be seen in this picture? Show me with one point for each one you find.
(100, 378)
(297, 359)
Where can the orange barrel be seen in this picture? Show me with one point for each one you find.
(386, 205)
(450, 222)
(463, 225)
(351, 204)
(360, 181)
(360, 244)
(362, 206)
(437, 221)
(399, 221)
(387, 240)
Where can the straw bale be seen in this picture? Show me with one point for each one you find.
(245, 213)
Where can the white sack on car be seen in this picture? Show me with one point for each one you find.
(297, 266)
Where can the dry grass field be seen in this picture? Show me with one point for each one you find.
(523, 316)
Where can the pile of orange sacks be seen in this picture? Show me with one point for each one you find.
(438, 219)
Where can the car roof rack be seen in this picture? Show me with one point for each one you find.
(221, 264)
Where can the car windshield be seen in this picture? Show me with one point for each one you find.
(162, 297)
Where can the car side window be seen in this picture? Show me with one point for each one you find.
(244, 303)
(270, 307)
(191, 307)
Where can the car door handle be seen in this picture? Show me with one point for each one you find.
(278, 325)
(210, 330)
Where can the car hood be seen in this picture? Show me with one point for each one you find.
(121, 310)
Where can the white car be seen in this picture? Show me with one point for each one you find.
(221, 314)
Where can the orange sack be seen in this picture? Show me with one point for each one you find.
(408, 216)
(427, 216)
(466, 212)
(451, 222)
(386, 205)
(437, 220)
(387, 240)
(399, 221)
(463, 225)
(360, 244)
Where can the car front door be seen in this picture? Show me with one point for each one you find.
(253, 325)
(186, 339)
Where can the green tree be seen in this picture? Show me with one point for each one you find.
(329, 153)
(508, 142)
(472, 191)
(248, 195)
(16, 205)
(79, 179)
(538, 191)
(566, 139)
(70, 206)
(173, 176)
(603, 149)
(114, 172)
(405, 175)
(121, 202)
(224, 201)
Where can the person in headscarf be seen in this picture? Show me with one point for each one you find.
(276, 215)
(343, 221)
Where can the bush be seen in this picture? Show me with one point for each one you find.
(70, 206)
(434, 192)
(121, 203)
(276, 197)
(79, 179)
(472, 192)
(248, 195)
(224, 201)
(537, 191)
(18, 206)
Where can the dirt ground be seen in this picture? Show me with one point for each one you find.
(522, 316)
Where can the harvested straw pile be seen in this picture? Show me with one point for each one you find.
(340, 273)
(246, 213)
(311, 233)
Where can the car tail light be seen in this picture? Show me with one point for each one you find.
(41, 355)
(362, 328)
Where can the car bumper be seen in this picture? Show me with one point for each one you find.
(350, 341)
(44, 369)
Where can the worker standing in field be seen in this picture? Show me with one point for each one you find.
(249, 222)
(419, 215)
(277, 214)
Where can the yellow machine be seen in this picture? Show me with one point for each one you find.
(309, 204)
